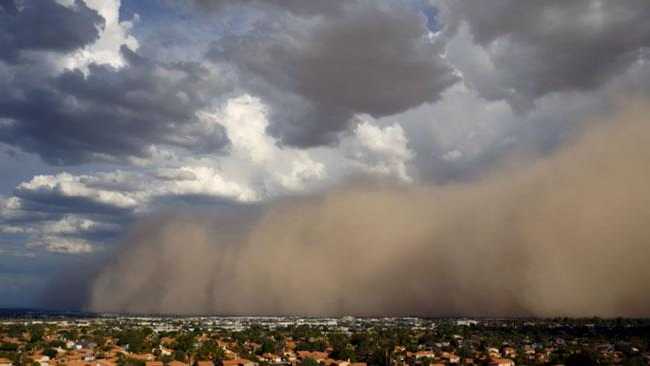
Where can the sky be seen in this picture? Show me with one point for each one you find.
(115, 113)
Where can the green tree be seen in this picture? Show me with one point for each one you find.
(580, 359)
(36, 333)
(309, 362)
(180, 356)
(50, 352)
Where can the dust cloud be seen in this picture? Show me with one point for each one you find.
(564, 235)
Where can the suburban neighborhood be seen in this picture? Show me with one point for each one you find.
(107, 340)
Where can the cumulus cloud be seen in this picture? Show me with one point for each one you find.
(280, 169)
(114, 35)
(48, 188)
(66, 213)
(373, 59)
(383, 151)
(68, 224)
(62, 245)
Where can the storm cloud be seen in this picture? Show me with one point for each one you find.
(299, 7)
(371, 59)
(31, 28)
(566, 235)
(110, 114)
(541, 47)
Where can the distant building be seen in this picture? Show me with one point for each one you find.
(466, 322)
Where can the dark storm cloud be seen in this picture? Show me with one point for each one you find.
(541, 47)
(45, 25)
(375, 59)
(109, 114)
(299, 7)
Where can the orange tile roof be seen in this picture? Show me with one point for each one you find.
(236, 362)
(315, 355)
(177, 363)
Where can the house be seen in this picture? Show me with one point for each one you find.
(76, 362)
(509, 352)
(493, 352)
(43, 360)
(270, 357)
(103, 363)
(332, 362)
(290, 356)
(318, 356)
(153, 363)
(5, 362)
(204, 363)
(142, 356)
(501, 362)
(454, 358)
(177, 363)
(422, 354)
(165, 351)
(239, 362)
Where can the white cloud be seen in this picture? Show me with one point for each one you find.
(70, 186)
(245, 120)
(380, 150)
(303, 171)
(115, 34)
(69, 224)
(75, 224)
(208, 182)
(56, 244)
(269, 169)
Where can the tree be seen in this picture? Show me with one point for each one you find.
(180, 356)
(134, 338)
(184, 342)
(634, 361)
(580, 359)
(210, 351)
(309, 362)
(50, 352)
(36, 333)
